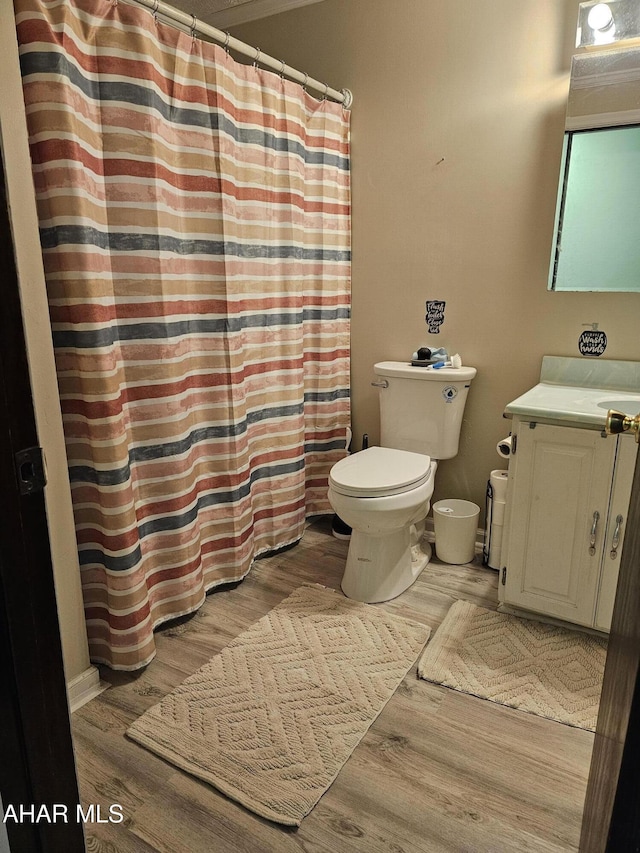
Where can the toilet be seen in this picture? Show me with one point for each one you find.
(384, 493)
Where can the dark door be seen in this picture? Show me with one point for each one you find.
(611, 820)
(36, 756)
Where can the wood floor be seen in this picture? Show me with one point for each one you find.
(437, 771)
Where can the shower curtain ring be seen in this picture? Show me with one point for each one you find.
(283, 65)
(155, 10)
(304, 85)
(194, 26)
(226, 42)
(255, 61)
(326, 91)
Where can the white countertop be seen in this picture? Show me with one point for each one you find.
(576, 405)
(580, 391)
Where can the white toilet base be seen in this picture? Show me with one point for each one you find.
(382, 567)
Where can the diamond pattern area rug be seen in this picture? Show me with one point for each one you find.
(271, 719)
(544, 669)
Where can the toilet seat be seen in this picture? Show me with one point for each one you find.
(379, 471)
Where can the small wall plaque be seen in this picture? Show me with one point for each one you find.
(435, 316)
(592, 343)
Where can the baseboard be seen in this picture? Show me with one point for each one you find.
(84, 687)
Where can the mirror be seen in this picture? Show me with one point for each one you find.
(597, 225)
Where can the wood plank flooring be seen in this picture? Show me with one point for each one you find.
(438, 771)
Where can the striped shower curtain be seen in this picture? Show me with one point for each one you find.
(195, 225)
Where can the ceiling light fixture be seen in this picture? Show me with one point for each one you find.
(600, 17)
(606, 23)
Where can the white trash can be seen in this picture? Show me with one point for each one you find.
(456, 523)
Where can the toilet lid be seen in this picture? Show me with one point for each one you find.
(379, 471)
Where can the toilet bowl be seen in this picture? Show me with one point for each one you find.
(384, 495)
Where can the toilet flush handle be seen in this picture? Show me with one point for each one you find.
(383, 383)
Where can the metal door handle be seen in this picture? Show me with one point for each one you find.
(592, 538)
(618, 422)
(616, 537)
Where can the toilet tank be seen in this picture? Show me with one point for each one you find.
(421, 408)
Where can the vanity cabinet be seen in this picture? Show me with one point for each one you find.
(568, 498)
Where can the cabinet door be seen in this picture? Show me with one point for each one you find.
(560, 498)
(616, 527)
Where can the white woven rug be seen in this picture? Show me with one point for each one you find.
(547, 670)
(271, 719)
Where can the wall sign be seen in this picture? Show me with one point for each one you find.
(435, 316)
(592, 343)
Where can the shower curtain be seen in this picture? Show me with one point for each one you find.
(195, 224)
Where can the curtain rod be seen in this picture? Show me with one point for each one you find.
(190, 22)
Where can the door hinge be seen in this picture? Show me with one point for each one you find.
(503, 579)
(514, 444)
(30, 470)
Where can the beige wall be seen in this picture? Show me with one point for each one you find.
(483, 85)
(431, 79)
(15, 150)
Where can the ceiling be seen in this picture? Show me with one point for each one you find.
(227, 13)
